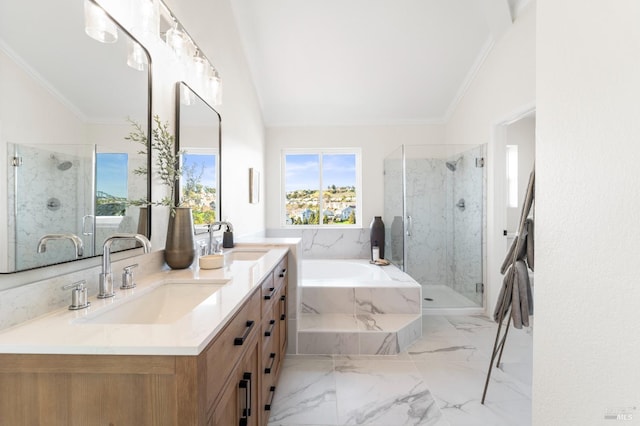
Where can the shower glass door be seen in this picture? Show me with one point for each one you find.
(443, 220)
(53, 186)
(393, 207)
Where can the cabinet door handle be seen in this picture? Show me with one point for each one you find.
(245, 384)
(283, 307)
(283, 273)
(272, 357)
(272, 324)
(272, 391)
(239, 341)
(268, 296)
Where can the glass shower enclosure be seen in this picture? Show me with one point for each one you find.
(52, 186)
(434, 201)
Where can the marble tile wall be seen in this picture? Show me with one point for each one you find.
(330, 243)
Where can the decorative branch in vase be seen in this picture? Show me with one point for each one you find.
(179, 250)
(167, 160)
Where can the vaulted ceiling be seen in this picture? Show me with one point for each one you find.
(351, 62)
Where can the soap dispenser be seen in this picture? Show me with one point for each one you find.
(227, 238)
(375, 252)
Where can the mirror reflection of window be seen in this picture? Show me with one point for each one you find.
(111, 184)
(198, 186)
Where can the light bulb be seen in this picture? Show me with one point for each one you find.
(136, 58)
(98, 25)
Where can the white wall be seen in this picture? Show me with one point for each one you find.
(376, 142)
(504, 85)
(587, 341)
(212, 25)
(21, 93)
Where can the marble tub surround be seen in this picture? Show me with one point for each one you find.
(387, 334)
(447, 366)
(355, 315)
(29, 301)
(71, 332)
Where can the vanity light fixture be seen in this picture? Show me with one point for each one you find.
(196, 68)
(186, 95)
(98, 25)
(145, 16)
(175, 39)
(136, 57)
(214, 86)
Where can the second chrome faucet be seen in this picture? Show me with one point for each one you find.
(105, 289)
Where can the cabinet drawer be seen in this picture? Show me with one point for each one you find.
(268, 294)
(226, 349)
(282, 317)
(280, 273)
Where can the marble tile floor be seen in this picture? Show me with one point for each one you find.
(437, 381)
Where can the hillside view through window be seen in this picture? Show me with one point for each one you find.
(321, 188)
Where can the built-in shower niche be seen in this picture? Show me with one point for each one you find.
(435, 203)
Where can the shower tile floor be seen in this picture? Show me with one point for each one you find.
(443, 296)
(437, 381)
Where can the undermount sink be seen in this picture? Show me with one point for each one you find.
(244, 255)
(163, 305)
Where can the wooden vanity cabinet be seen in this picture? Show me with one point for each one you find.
(225, 385)
(238, 401)
(274, 334)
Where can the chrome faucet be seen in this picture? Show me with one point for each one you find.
(214, 249)
(105, 288)
(77, 242)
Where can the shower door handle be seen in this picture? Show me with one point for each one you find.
(84, 224)
(409, 225)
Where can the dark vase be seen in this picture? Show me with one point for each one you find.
(377, 235)
(179, 251)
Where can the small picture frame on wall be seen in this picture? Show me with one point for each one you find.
(254, 186)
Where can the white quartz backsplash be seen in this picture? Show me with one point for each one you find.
(26, 302)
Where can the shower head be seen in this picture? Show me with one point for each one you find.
(65, 165)
(61, 165)
(453, 165)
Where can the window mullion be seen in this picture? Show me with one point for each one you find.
(320, 200)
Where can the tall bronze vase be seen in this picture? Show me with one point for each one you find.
(179, 250)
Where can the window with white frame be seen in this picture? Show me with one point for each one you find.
(322, 187)
(512, 176)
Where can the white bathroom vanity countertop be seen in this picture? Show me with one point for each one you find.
(72, 332)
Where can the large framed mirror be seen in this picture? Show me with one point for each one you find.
(67, 108)
(199, 138)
